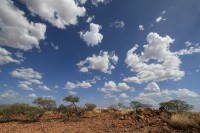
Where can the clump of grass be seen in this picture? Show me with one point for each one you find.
(182, 120)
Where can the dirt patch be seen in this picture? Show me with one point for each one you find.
(97, 122)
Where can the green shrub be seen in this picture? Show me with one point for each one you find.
(90, 107)
(8, 113)
(34, 113)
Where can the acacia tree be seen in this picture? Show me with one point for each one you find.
(45, 103)
(73, 99)
(177, 105)
(136, 105)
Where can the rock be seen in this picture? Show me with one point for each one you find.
(125, 130)
(139, 117)
(166, 129)
(121, 118)
(164, 124)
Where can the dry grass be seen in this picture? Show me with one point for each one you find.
(185, 120)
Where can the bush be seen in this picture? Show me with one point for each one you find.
(181, 121)
(34, 113)
(8, 113)
(90, 107)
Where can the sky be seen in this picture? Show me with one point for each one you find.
(103, 51)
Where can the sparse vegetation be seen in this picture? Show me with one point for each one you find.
(72, 110)
(19, 110)
(175, 119)
(137, 105)
(46, 103)
(90, 106)
(177, 105)
(181, 121)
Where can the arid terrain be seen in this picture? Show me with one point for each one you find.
(101, 121)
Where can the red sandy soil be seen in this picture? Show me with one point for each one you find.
(95, 122)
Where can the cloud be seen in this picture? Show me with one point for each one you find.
(181, 93)
(160, 18)
(152, 88)
(188, 44)
(81, 1)
(155, 63)
(54, 46)
(117, 24)
(123, 95)
(90, 19)
(26, 73)
(72, 92)
(29, 75)
(20, 55)
(5, 57)
(96, 2)
(9, 94)
(35, 81)
(153, 94)
(104, 62)
(16, 30)
(92, 37)
(188, 51)
(111, 86)
(32, 96)
(59, 13)
(141, 27)
(44, 88)
(56, 86)
(25, 87)
(83, 84)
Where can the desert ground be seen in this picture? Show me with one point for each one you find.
(102, 121)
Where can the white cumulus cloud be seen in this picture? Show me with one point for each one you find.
(30, 77)
(9, 94)
(90, 19)
(6, 57)
(111, 86)
(25, 87)
(16, 30)
(44, 88)
(26, 73)
(117, 24)
(83, 84)
(141, 27)
(156, 62)
(60, 13)
(32, 96)
(104, 62)
(96, 2)
(152, 88)
(123, 95)
(92, 37)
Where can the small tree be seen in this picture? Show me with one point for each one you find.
(90, 106)
(177, 105)
(136, 105)
(45, 103)
(73, 99)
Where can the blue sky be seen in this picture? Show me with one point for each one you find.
(104, 51)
